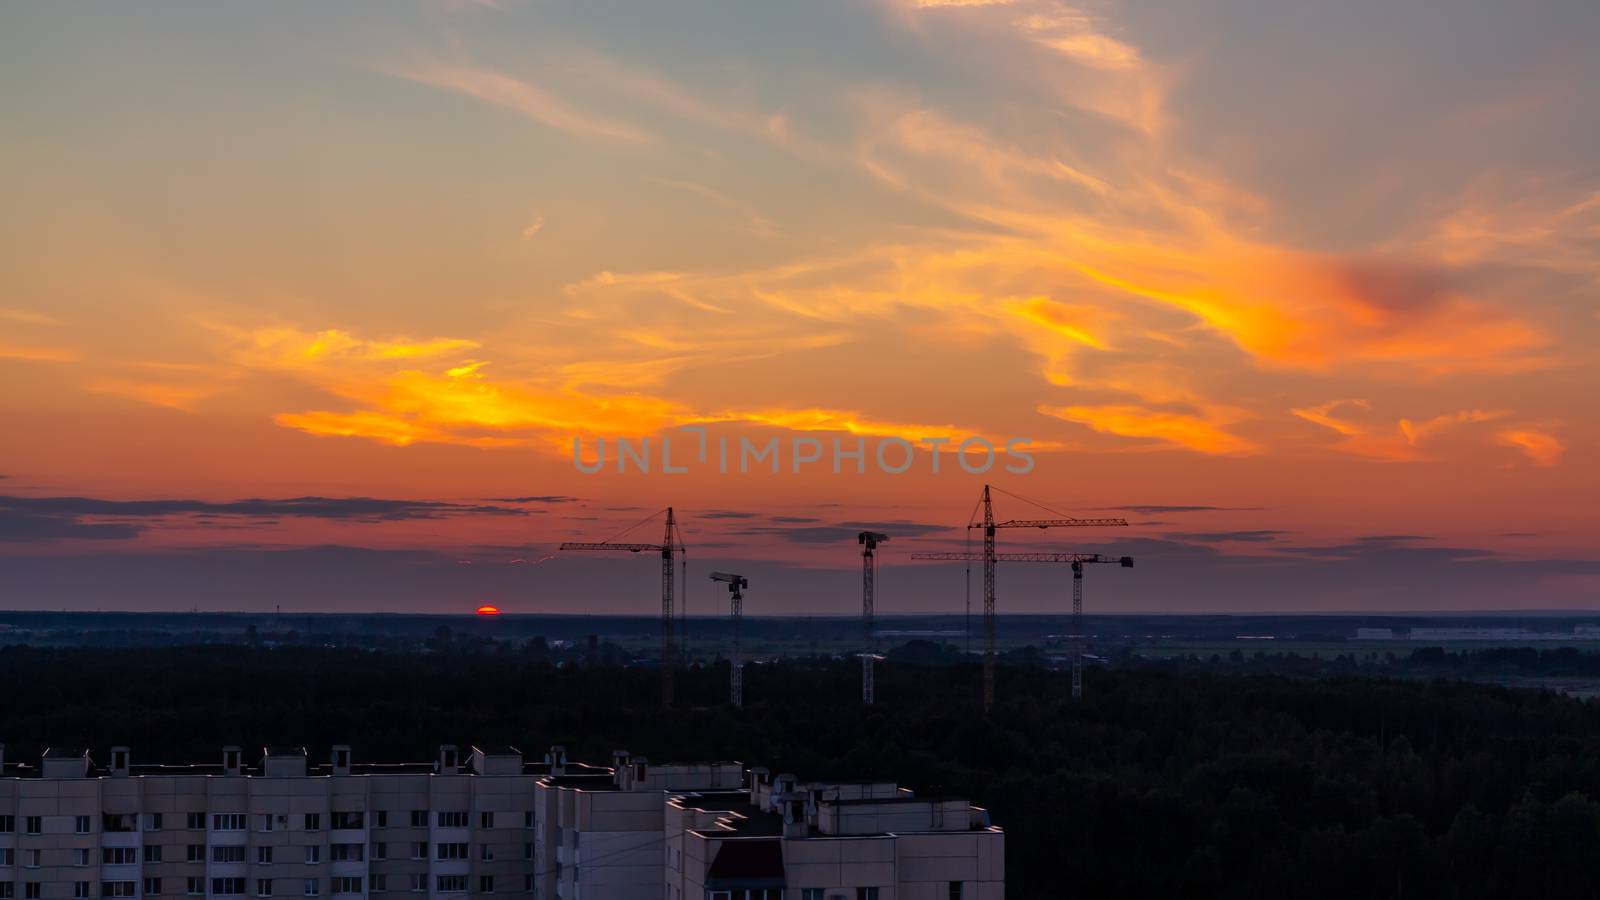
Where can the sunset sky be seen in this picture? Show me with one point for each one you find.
(305, 303)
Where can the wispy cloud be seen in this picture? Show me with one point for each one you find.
(522, 97)
(1540, 448)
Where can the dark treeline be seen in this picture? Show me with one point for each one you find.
(1173, 780)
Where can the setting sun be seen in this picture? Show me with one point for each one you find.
(488, 610)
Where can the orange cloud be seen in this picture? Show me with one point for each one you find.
(1185, 430)
(183, 397)
(1416, 431)
(1378, 441)
(1541, 449)
(37, 354)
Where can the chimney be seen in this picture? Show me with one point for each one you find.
(794, 817)
(230, 759)
(119, 761)
(557, 758)
(449, 759)
(758, 785)
(621, 770)
(341, 759)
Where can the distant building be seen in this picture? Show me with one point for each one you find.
(484, 823)
(1374, 634)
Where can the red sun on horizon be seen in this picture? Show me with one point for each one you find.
(487, 610)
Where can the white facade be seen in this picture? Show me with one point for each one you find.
(484, 823)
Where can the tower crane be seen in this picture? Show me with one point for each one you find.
(671, 542)
(736, 585)
(869, 541)
(989, 526)
(1078, 560)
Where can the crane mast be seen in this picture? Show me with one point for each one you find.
(671, 543)
(869, 541)
(1078, 560)
(666, 612)
(736, 585)
(988, 600)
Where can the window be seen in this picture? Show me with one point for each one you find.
(452, 884)
(811, 894)
(34, 824)
(419, 851)
(8, 856)
(380, 883)
(30, 891)
(80, 856)
(955, 890)
(152, 887)
(313, 887)
(527, 851)
(263, 887)
(527, 883)
(347, 885)
(380, 850)
(118, 889)
(152, 822)
(485, 884)
(452, 819)
(8, 824)
(8, 891)
(264, 822)
(80, 890)
(313, 821)
(380, 819)
(196, 821)
(118, 856)
(347, 853)
(348, 820)
(226, 886)
(80, 824)
(196, 854)
(450, 851)
(152, 853)
(228, 855)
(196, 886)
(485, 852)
(118, 822)
(419, 818)
(264, 855)
(228, 822)
(866, 893)
(528, 820)
(419, 883)
(31, 858)
(313, 855)
(486, 820)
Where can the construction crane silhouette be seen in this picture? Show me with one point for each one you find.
(869, 541)
(989, 526)
(1078, 561)
(671, 542)
(736, 585)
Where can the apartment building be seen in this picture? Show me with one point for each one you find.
(481, 823)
